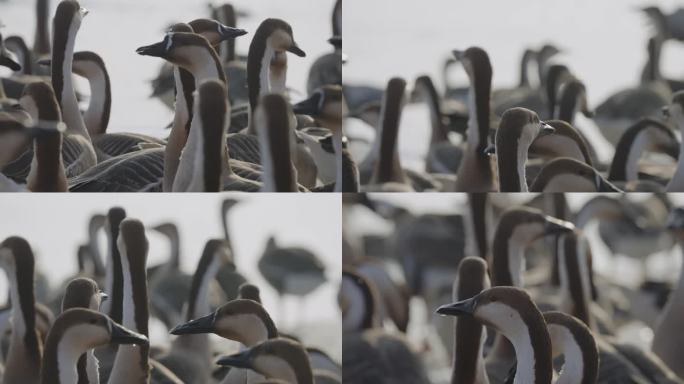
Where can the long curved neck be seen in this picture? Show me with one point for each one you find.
(180, 129)
(47, 168)
(275, 139)
(625, 164)
(132, 361)
(533, 365)
(114, 276)
(388, 167)
(479, 216)
(60, 361)
(94, 248)
(574, 276)
(62, 81)
(511, 164)
(174, 258)
(475, 172)
(41, 42)
(427, 88)
(206, 66)
(97, 115)
(258, 69)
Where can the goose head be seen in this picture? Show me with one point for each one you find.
(16, 259)
(83, 292)
(573, 98)
(179, 48)
(214, 31)
(39, 100)
(275, 359)
(249, 291)
(570, 175)
(520, 125)
(84, 329)
(67, 21)
(512, 312)
(476, 63)
(241, 320)
(278, 36)
(167, 229)
(326, 105)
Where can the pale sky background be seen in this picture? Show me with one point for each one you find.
(56, 224)
(114, 29)
(604, 44)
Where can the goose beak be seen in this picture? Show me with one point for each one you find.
(553, 226)
(294, 48)
(336, 41)
(7, 59)
(546, 129)
(202, 325)
(666, 111)
(103, 297)
(121, 335)
(230, 33)
(156, 50)
(458, 54)
(310, 106)
(46, 62)
(84, 12)
(238, 360)
(461, 308)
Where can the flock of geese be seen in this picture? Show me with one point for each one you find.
(95, 326)
(525, 138)
(234, 128)
(510, 292)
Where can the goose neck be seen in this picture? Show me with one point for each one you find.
(97, 115)
(574, 278)
(180, 129)
(41, 43)
(339, 161)
(676, 184)
(62, 80)
(511, 165)
(47, 168)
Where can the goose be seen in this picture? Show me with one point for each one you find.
(327, 69)
(76, 331)
(645, 135)
(675, 112)
(511, 312)
(90, 66)
(66, 24)
(167, 283)
(84, 293)
(241, 320)
(569, 175)
(475, 172)
(23, 360)
(132, 364)
(518, 128)
(571, 338)
(291, 270)
(189, 355)
(469, 335)
(277, 358)
(666, 342)
(517, 229)
(621, 109)
(148, 169)
(327, 106)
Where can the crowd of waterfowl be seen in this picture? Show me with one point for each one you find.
(233, 128)
(95, 326)
(506, 288)
(525, 137)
